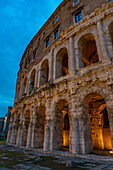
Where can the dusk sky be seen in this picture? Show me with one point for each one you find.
(20, 20)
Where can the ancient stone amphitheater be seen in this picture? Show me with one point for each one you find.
(64, 90)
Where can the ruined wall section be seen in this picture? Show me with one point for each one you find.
(65, 13)
(96, 78)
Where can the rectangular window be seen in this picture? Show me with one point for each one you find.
(78, 17)
(56, 34)
(47, 43)
(75, 2)
(34, 55)
(57, 18)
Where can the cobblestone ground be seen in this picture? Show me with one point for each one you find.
(15, 158)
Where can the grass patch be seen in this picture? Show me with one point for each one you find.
(2, 140)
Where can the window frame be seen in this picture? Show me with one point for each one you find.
(34, 54)
(76, 11)
(74, 4)
(56, 35)
(79, 16)
(56, 19)
(47, 42)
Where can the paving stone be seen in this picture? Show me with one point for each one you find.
(71, 164)
(26, 159)
(39, 159)
(5, 158)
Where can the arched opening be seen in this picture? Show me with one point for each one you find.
(111, 32)
(61, 126)
(26, 126)
(32, 81)
(87, 50)
(39, 127)
(61, 63)
(24, 86)
(44, 72)
(96, 121)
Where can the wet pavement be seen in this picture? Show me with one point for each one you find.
(20, 158)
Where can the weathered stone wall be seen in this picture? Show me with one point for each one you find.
(38, 117)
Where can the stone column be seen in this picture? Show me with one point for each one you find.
(52, 136)
(18, 135)
(36, 79)
(29, 137)
(12, 134)
(77, 58)
(47, 138)
(109, 42)
(10, 130)
(18, 141)
(22, 141)
(71, 60)
(82, 137)
(51, 65)
(33, 141)
(21, 88)
(28, 84)
(39, 77)
(75, 136)
(13, 129)
(18, 91)
(54, 66)
(9, 134)
(104, 51)
(26, 87)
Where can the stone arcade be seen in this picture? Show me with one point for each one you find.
(64, 90)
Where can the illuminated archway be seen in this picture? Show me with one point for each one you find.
(44, 72)
(97, 132)
(87, 50)
(111, 32)
(61, 63)
(61, 126)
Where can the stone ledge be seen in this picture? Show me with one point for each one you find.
(67, 154)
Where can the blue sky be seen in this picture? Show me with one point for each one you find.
(20, 20)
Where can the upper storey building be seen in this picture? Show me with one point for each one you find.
(71, 39)
(64, 90)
